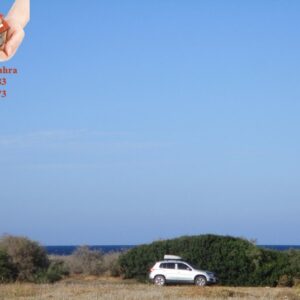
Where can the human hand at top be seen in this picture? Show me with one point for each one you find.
(14, 38)
(17, 18)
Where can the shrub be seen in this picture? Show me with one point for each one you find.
(107, 264)
(59, 262)
(285, 281)
(27, 257)
(85, 261)
(53, 273)
(294, 263)
(7, 270)
(111, 263)
(235, 261)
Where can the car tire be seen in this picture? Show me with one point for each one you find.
(159, 280)
(200, 281)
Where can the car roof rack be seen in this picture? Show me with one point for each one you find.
(172, 257)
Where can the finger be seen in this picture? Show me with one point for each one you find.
(3, 56)
(14, 42)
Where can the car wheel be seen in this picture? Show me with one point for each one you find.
(200, 281)
(159, 280)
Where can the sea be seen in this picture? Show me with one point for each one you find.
(67, 250)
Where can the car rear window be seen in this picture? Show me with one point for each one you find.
(167, 266)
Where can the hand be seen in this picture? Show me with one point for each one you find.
(14, 38)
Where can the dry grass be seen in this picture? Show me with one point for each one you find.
(94, 288)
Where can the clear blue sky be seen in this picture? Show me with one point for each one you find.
(134, 120)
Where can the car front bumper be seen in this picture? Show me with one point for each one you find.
(212, 280)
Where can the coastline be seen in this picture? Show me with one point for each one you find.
(69, 249)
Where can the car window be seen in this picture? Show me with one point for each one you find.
(181, 266)
(167, 266)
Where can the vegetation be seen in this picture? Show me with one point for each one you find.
(85, 261)
(7, 270)
(237, 262)
(24, 260)
(111, 264)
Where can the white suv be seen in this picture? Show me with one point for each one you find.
(174, 269)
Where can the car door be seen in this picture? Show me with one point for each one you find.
(169, 270)
(184, 272)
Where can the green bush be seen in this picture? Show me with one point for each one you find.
(27, 257)
(7, 270)
(235, 261)
(53, 273)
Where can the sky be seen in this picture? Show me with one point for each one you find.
(133, 121)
